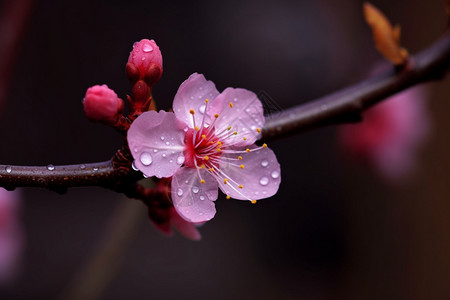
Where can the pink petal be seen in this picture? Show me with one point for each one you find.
(156, 141)
(191, 95)
(187, 229)
(260, 176)
(245, 117)
(194, 200)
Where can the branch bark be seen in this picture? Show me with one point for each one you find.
(344, 106)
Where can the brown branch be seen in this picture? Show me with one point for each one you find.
(341, 107)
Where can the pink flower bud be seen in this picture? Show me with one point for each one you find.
(145, 62)
(101, 104)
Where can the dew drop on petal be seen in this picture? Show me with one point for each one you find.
(83, 167)
(202, 108)
(171, 161)
(180, 160)
(180, 192)
(264, 163)
(8, 169)
(162, 138)
(167, 143)
(145, 176)
(195, 189)
(275, 174)
(50, 167)
(186, 129)
(95, 169)
(147, 48)
(263, 180)
(202, 198)
(164, 155)
(133, 165)
(136, 149)
(146, 158)
(155, 150)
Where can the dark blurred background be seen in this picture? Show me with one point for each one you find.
(335, 230)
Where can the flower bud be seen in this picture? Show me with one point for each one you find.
(144, 62)
(101, 104)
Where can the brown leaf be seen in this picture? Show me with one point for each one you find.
(386, 37)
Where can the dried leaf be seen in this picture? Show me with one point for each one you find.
(386, 37)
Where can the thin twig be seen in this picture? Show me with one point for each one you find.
(341, 107)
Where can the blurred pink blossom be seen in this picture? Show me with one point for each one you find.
(101, 104)
(391, 133)
(11, 239)
(206, 144)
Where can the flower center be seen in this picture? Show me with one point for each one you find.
(202, 148)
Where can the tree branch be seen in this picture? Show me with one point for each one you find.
(344, 106)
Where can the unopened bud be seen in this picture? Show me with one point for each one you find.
(145, 62)
(101, 104)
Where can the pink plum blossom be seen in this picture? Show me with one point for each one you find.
(102, 104)
(206, 144)
(11, 239)
(390, 134)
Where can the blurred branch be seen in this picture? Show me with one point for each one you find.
(344, 106)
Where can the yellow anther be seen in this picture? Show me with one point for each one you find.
(202, 181)
(239, 157)
(228, 197)
(219, 150)
(240, 186)
(202, 166)
(231, 104)
(235, 133)
(219, 143)
(203, 136)
(216, 116)
(248, 150)
(211, 169)
(253, 201)
(241, 166)
(225, 180)
(264, 145)
(229, 127)
(196, 128)
(206, 157)
(258, 129)
(245, 138)
(206, 100)
(191, 111)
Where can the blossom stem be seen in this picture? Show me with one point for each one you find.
(344, 106)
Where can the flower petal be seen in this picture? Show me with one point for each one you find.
(242, 110)
(191, 95)
(156, 141)
(187, 229)
(194, 200)
(260, 176)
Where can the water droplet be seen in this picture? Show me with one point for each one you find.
(145, 176)
(133, 165)
(162, 138)
(143, 58)
(95, 169)
(264, 163)
(8, 169)
(180, 160)
(164, 155)
(167, 143)
(155, 150)
(195, 189)
(263, 180)
(202, 198)
(50, 167)
(146, 158)
(83, 167)
(171, 161)
(147, 48)
(275, 174)
(235, 99)
(186, 129)
(186, 182)
(180, 192)
(135, 149)
(202, 108)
